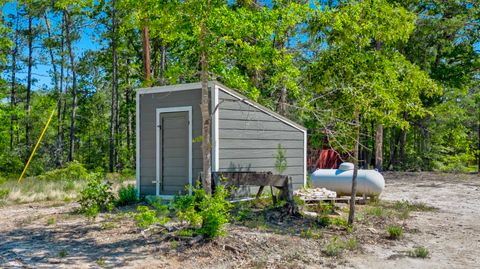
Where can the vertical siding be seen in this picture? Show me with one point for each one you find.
(148, 105)
(249, 137)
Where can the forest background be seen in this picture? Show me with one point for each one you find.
(406, 74)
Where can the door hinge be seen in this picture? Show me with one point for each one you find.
(159, 127)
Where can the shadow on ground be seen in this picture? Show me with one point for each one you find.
(68, 244)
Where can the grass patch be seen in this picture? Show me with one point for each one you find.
(419, 252)
(174, 244)
(100, 262)
(311, 233)
(51, 221)
(32, 189)
(62, 253)
(394, 232)
(412, 206)
(186, 233)
(351, 244)
(108, 225)
(4, 193)
(376, 211)
(334, 248)
(398, 209)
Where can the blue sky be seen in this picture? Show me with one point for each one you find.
(40, 71)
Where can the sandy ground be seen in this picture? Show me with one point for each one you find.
(451, 234)
(45, 235)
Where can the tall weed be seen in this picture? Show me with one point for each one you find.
(208, 214)
(97, 196)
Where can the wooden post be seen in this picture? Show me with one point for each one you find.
(351, 214)
(379, 148)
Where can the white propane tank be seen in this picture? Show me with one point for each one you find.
(369, 182)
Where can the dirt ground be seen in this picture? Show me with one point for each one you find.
(451, 234)
(49, 235)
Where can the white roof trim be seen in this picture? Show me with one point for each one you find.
(137, 143)
(170, 88)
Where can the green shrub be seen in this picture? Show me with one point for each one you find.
(324, 208)
(127, 195)
(186, 232)
(62, 253)
(351, 244)
(298, 201)
(12, 162)
(73, 171)
(334, 248)
(324, 221)
(96, 196)
(280, 159)
(420, 252)
(2, 180)
(339, 222)
(186, 211)
(146, 217)
(161, 208)
(208, 214)
(394, 232)
(457, 163)
(244, 214)
(4, 193)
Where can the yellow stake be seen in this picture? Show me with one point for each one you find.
(38, 143)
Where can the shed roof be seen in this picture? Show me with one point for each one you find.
(198, 85)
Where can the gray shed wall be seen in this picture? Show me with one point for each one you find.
(249, 137)
(148, 104)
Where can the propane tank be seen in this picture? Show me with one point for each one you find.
(369, 182)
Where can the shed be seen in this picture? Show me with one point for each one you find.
(245, 137)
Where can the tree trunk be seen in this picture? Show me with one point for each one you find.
(146, 53)
(282, 104)
(118, 132)
(57, 90)
(351, 213)
(13, 93)
(71, 153)
(52, 57)
(478, 126)
(129, 114)
(363, 150)
(379, 147)
(60, 133)
(29, 81)
(402, 143)
(393, 149)
(163, 64)
(114, 92)
(371, 161)
(206, 179)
